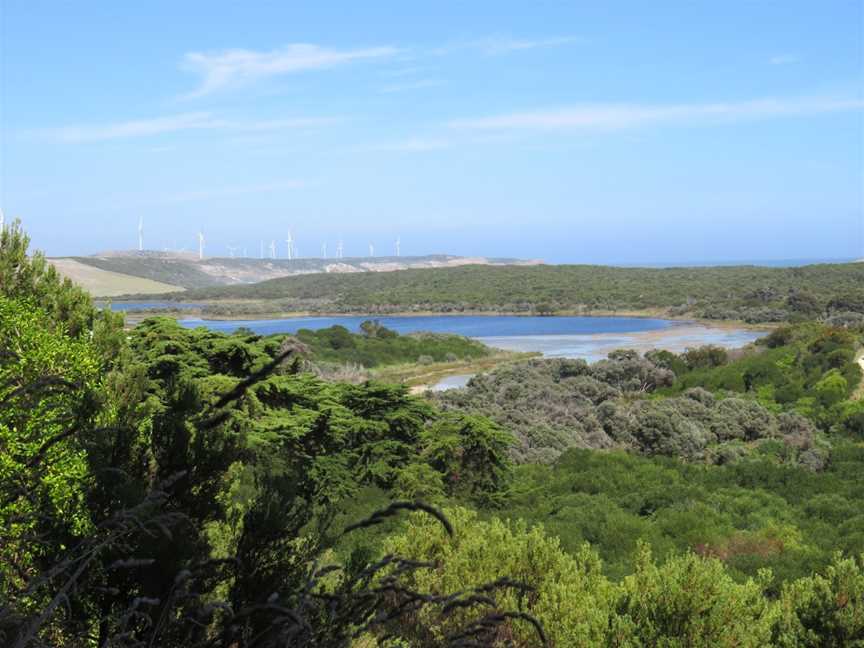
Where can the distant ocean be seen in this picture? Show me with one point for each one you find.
(768, 263)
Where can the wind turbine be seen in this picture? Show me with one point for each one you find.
(200, 245)
(262, 248)
(398, 246)
(141, 234)
(231, 250)
(290, 242)
(272, 249)
(339, 250)
(324, 250)
(371, 250)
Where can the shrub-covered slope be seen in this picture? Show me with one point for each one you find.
(777, 395)
(751, 293)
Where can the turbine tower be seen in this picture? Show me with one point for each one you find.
(398, 246)
(272, 249)
(339, 250)
(262, 248)
(290, 242)
(200, 245)
(324, 250)
(141, 234)
(371, 250)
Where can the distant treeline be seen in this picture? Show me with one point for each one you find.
(748, 293)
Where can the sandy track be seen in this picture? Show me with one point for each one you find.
(859, 393)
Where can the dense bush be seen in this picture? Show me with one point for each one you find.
(379, 346)
(181, 489)
(809, 369)
(752, 294)
(755, 513)
(552, 405)
(687, 600)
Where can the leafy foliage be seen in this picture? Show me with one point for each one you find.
(807, 369)
(220, 462)
(31, 277)
(688, 600)
(379, 346)
(47, 386)
(552, 405)
(752, 514)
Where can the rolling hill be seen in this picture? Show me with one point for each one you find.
(751, 293)
(186, 271)
(105, 283)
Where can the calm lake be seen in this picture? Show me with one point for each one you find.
(476, 326)
(591, 338)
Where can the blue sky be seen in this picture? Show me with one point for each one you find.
(596, 132)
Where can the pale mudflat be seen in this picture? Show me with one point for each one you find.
(597, 346)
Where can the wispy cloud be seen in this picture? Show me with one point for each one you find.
(231, 68)
(174, 124)
(621, 116)
(281, 124)
(493, 46)
(784, 59)
(496, 45)
(133, 128)
(235, 67)
(412, 85)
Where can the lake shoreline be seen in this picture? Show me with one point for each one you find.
(192, 313)
(677, 339)
(509, 336)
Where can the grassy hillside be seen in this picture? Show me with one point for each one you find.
(104, 283)
(179, 272)
(737, 292)
(187, 271)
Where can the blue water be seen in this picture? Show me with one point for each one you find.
(476, 326)
(452, 382)
(591, 338)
